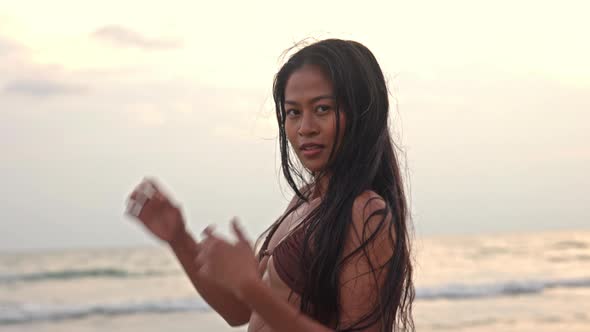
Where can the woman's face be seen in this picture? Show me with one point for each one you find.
(310, 122)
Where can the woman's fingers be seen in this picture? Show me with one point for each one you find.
(208, 232)
(133, 208)
(145, 188)
(237, 229)
(205, 247)
(157, 188)
(202, 253)
(148, 187)
(142, 196)
(199, 259)
(153, 183)
(209, 241)
(153, 209)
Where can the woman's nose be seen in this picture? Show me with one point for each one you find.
(308, 125)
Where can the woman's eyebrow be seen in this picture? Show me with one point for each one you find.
(312, 100)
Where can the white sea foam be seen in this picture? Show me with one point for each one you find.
(20, 313)
(504, 288)
(69, 274)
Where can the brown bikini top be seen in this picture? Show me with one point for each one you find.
(287, 257)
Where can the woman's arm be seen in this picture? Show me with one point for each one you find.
(226, 304)
(163, 219)
(362, 276)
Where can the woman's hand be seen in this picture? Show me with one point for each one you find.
(231, 265)
(148, 204)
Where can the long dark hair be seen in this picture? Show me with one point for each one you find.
(365, 160)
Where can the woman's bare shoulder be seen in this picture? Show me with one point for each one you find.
(371, 219)
(366, 204)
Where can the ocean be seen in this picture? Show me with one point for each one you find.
(502, 282)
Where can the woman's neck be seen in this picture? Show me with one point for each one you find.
(320, 186)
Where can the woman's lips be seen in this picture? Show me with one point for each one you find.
(312, 151)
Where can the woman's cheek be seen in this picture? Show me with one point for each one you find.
(291, 133)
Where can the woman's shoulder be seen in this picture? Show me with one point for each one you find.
(371, 222)
(367, 203)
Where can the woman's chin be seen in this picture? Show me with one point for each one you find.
(313, 168)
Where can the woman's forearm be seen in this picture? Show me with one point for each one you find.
(233, 311)
(276, 312)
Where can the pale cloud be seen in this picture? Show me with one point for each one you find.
(146, 115)
(125, 37)
(8, 47)
(183, 108)
(21, 76)
(43, 88)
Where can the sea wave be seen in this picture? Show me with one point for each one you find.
(503, 288)
(570, 244)
(69, 274)
(22, 313)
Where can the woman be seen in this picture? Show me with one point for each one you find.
(339, 257)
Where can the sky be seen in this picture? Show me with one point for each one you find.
(490, 109)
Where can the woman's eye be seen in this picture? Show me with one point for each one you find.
(323, 108)
(292, 112)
